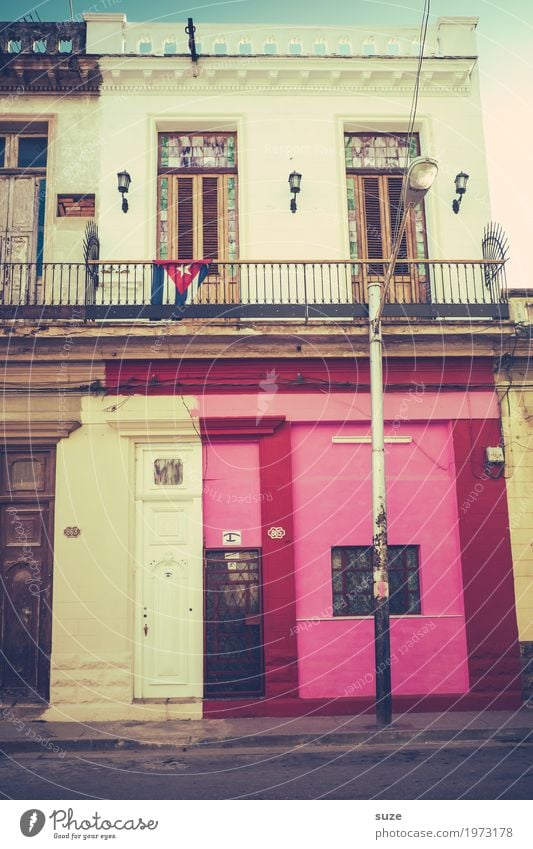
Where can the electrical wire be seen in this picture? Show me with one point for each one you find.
(412, 114)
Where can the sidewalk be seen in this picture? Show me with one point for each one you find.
(18, 734)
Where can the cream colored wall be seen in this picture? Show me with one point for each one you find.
(276, 134)
(73, 161)
(294, 120)
(94, 601)
(73, 167)
(91, 649)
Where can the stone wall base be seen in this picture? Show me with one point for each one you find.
(135, 711)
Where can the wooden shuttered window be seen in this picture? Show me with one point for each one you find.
(211, 213)
(184, 218)
(198, 216)
(375, 211)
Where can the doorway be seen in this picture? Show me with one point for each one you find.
(26, 566)
(169, 573)
(234, 657)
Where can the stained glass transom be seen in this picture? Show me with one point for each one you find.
(379, 151)
(184, 150)
(163, 218)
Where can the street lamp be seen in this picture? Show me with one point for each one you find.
(294, 183)
(123, 186)
(417, 181)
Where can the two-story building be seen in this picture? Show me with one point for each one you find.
(185, 492)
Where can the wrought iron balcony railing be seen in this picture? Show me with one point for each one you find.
(252, 290)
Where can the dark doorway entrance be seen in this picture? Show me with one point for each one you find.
(234, 623)
(26, 560)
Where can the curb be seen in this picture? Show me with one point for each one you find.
(285, 741)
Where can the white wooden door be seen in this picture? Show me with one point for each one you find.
(169, 626)
(19, 199)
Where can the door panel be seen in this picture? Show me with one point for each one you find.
(26, 558)
(375, 210)
(169, 576)
(19, 198)
(202, 224)
(233, 623)
(24, 206)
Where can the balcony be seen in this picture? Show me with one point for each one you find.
(43, 56)
(252, 290)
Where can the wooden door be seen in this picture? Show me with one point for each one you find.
(169, 585)
(379, 211)
(26, 565)
(19, 205)
(233, 624)
(202, 224)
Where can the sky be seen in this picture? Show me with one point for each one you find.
(505, 44)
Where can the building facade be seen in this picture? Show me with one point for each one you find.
(186, 489)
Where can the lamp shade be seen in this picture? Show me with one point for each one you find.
(124, 181)
(460, 183)
(294, 181)
(419, 178)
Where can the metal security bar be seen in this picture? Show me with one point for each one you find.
(256, 289)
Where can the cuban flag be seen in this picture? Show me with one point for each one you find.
(186, 276)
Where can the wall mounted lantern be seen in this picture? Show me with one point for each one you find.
(460, 188)
(294, 182)
(124, 181)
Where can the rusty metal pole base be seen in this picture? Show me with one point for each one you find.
(383, 661)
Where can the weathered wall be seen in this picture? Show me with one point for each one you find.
(515, 387)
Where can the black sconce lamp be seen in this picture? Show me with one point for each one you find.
(124, 181)
(294, 182)
(460, 188)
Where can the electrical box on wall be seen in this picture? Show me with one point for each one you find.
(494, 454)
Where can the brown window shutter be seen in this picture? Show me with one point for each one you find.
(372, 222)
(395, 213)
(210, 223)
(185, 217)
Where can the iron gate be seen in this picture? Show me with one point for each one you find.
(233, 623)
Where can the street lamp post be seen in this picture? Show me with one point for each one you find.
(418, 180)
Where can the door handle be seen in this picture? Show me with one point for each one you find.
(145, 630)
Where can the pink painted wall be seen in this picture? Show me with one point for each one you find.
(328, 406)
(332, 492)
(232, 494)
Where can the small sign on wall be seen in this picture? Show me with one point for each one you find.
(231, 537)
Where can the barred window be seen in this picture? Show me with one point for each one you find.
(353, 580)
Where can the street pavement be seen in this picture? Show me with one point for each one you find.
(464, 770)
(453, 755)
